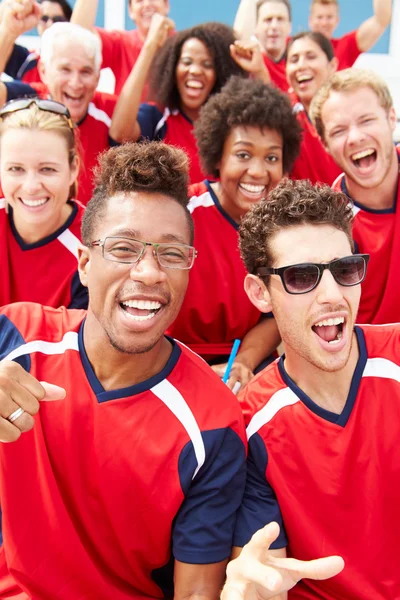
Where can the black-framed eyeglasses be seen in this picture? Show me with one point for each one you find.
(44, 104)
(130, 251)
(304, 277)
(55, 19)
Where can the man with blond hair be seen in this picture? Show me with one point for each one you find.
(324, 18)
(354, 116)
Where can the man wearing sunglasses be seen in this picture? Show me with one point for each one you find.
(323, 420)
(354, 116)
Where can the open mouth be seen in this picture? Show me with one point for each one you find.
(141, 310)
(364, 159)
(251, 189)
(330, 330)
(72, 100)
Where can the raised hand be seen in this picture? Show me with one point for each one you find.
(160, 28)
(248, 56)
(20, 394)
(258, 575)
(19, 16)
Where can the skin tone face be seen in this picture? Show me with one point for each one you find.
(195, 76)
(307, 345)
(36, 178)
(324, 18)
(49, 9)
(71, 77)
(273, 28)
(358, 134)
(117, 324)
(307, 68)
(250, 167)
(141, 12)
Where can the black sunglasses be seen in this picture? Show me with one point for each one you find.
(56, 19)
(304, 277)
(47, 105)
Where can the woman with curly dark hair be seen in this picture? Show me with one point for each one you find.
(185, 70)
(248, 138)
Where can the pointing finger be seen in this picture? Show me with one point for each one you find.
(52, 392)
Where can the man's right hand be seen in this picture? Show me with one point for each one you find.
(257, 575)
(20, 390)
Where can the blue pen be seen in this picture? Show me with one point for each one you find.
(231, 360)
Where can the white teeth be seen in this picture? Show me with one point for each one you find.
(301, 78)
(254, 189)
(363, 154)
(330, 322)
(145, 318)
(142, 304)
(197, 85)
(33, 202)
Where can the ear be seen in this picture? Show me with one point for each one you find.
(334, 65)
(74, 169)
(42, 70)
(392, 118)
(258, 293)
(83, 264)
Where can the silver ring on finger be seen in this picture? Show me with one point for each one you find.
(15, 415)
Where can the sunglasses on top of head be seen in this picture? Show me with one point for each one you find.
(304, 277)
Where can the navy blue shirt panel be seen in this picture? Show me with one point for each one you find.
(18, 89)
(148, 118)
(79, 293)
(17, 58)
(10, 339)
(204, 526)
(260, 505)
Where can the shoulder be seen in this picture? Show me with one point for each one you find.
(26, 327)
(103, 101)
(200, 197)
(383, 345)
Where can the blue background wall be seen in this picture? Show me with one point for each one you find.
(189, 12)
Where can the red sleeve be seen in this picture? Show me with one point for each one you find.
(346, 50)
(111, 47)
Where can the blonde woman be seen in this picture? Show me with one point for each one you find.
(39, 218)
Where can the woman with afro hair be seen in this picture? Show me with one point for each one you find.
(248, 139)
(184, 70)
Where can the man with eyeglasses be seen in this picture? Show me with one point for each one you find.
(323, 420)
(354, 116)
(132, 476)
(17, 61)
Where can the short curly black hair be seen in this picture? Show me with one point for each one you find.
(217, 37)
(290, 203)
(245, 103)
(151, 167)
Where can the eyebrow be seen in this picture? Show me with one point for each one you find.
(244, 143)
(131, 233)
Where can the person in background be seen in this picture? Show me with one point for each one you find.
(248, 138)
(310, 63)
(120, 48)
(17, 61)
(354, 115)
(186, 70)
(88, 519)
(271, 22)
(315, 464)
(70, 70)
(39, 219)
(324, 18)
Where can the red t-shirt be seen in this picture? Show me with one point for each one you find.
(216, 309)
(331, 480)
(377, 233)
(313, 162)
(111, 485)
(277, 71)
(45, 271)
(346, 50)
